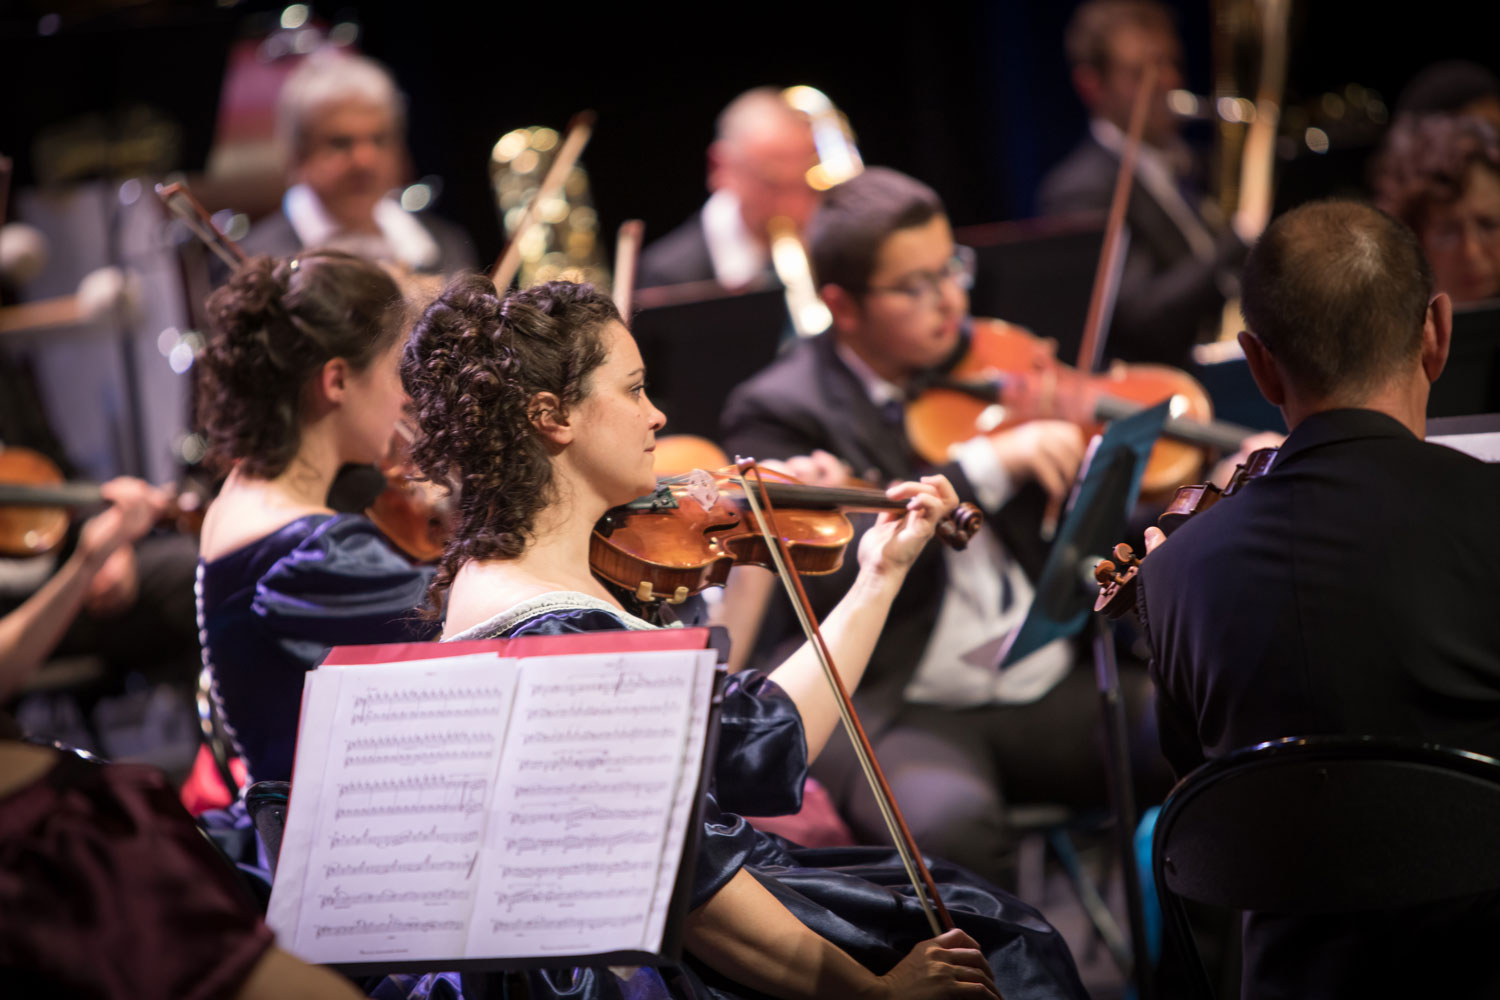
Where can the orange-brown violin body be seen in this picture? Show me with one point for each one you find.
(1030, 383)
(694, 529)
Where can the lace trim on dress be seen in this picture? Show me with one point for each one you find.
(562, 600)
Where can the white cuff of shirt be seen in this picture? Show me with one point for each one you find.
(992, 485)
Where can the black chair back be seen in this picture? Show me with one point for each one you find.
(1311, 825)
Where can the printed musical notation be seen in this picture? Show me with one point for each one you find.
(338, 899)
(606, 842)
(567, 897)
(393, 925)
(636, 735)
(610, 684)
(580, 815)
(656, 708)
(335, 869)
(593, 761)
(400, 838)
(560, 924)
(412, 796)
(579, 869)
(573, 789)
(413, 748)
(410, 705)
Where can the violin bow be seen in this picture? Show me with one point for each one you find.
(181, 203)
(1107, 275)
(580, 129)
(627, 253)
(911, 858)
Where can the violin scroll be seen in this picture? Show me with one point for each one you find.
(956, 530)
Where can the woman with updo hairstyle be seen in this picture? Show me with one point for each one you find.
(535, 405)
(299, 377)
(1440, 174)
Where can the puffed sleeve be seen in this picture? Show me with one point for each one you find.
(107, 889)
(759, 770)
(762, 759)
(345, 584)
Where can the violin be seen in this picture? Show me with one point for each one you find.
(1116, 577)
(1006, 376)
(35, 504)
(688, 533)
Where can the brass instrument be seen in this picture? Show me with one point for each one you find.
(563, 244)
(838, 160)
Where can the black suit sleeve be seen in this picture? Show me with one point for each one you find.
(1162, 303)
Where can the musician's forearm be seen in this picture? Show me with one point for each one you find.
(745, 933)
(851, 631)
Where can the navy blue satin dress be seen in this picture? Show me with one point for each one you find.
(856, 897)
(269, 611)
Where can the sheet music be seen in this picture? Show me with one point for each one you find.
(408, 775)
(577, 854)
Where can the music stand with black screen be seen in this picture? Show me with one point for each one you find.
(1098, 510)
(1470, 382)
(697, 350)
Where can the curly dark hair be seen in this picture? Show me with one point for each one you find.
(473, 368)
(272, 327)
(1425, 162)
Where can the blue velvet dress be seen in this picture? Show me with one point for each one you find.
(270, 610)
(856, 897)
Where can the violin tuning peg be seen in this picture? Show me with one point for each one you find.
(1104, 572)
(1125, 555)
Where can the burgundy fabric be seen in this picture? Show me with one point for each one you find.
(108, 889)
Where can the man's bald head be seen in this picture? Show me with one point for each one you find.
(761, 154)
(1337, 292)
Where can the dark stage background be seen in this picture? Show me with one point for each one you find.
(972, 97)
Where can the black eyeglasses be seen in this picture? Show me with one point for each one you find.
(925, 288)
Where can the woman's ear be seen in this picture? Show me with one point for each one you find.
(333, 380)
(547, 415)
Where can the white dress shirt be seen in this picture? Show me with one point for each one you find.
(401, 238)
(738, 258)
(958, 665)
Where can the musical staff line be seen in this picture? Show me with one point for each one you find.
(640, 733)
(576, 817)
(338, 899)
(417, 741)
(336, 869)
(393, 925)
(575, 788)
(624, 682)
(589, 868)
(432, 835)
(415, 757)
(606, 842)
(561, 924)
(592, 761)
(598, 711)
(510, 900)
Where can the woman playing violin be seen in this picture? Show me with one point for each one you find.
(537, 405)
(299, 378)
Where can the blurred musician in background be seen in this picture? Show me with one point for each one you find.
(1263, 618)
(757, 171)
(1452, 87)
(1180, 267)
(958, 739)
(1440, 174)
(342, 121)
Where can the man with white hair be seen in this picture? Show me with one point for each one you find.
(342, 121)
(757, 171)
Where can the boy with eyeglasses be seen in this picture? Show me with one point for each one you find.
(957, 737)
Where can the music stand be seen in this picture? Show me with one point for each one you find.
(1107, 487)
